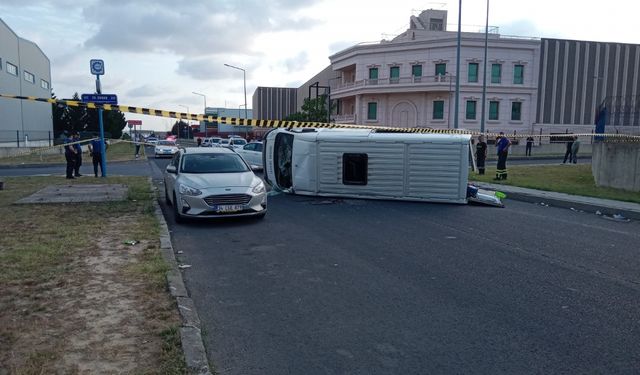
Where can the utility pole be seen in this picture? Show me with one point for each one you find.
(484, 71)
(455, 121)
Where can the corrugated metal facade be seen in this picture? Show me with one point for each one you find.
(274, 103)
(576, 76)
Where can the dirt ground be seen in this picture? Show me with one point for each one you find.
(101, 314)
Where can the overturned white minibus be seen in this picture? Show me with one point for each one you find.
(365, 163)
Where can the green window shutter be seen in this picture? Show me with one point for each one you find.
(372, 111)
(394, 74)
(438, 109)
(471, 110)
(518, 74)
(494, 109)
(441, 69)
(496, 73)
(473, 72)
(516, 111)
(373, 73)
(416, 70)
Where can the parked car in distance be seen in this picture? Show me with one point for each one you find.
(211, 183)
(237, 143)
(252, 153)
(211, 142)
(152, 140)
(165, 148)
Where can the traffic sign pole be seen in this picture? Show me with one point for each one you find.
(103, 158)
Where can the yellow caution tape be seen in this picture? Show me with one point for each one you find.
(298, 124)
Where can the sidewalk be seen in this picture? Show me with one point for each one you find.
(578, 202)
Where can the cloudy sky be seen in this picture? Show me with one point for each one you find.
(157, 52)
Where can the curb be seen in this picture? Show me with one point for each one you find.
(195, 354)
(568, 201)
(58, 165)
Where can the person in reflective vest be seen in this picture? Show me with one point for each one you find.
(502, 144)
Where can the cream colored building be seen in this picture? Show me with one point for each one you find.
(409, 81)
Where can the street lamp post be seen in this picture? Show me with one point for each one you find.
(244, 79)
(246, 133)
(188, 123)
(205, 110)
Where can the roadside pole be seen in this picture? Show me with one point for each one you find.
(97, 68)
(103, 147)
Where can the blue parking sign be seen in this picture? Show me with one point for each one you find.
(97, 67)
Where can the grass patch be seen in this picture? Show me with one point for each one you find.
(570, 179)
(120, 151)
(42, 247)
(172, 360)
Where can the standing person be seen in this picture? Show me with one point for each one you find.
(136, 142)
(575, 147)
(502, 145)
(481, 154)
(78, 147)
(567, 153)
(95, 150)
(527, 150)
(70, 156)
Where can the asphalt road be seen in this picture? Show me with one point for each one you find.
(325, 286)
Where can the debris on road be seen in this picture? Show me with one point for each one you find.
(183, 266)
(130, 242)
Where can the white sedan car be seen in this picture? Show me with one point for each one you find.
(213, 182)
(252, 153)
(165, 149)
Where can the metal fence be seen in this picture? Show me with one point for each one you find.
(27, 138)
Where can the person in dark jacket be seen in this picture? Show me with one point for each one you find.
(70, 156)
(78, 147)
(95, 148)
(481, 154)
(529, 146)
(568, 153)
(502, 145)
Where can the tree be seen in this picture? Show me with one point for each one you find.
(60, 118)
(312, 110)
(81, 119)
(186, 131)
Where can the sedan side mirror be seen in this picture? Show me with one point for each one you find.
(172, 169)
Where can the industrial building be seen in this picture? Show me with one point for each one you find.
(24, 70)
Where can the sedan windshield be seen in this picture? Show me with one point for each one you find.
(213, 163)
(166, 143)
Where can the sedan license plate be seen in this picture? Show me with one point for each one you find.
(230, 208)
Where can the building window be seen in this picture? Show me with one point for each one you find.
(496, 73)
(416, 72)
(438, 109)
(372, 111)
(494, 110)
(44, 84)
(473, 72)
(441, 69)
(436, 24)
(516, 111)
(394, 74)
(471, 110)
(373, 75)
(29, 77)
(518, 74)
(354, 169)
(12, 69)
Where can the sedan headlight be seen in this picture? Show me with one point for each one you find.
(258, 188)
(188, 190)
